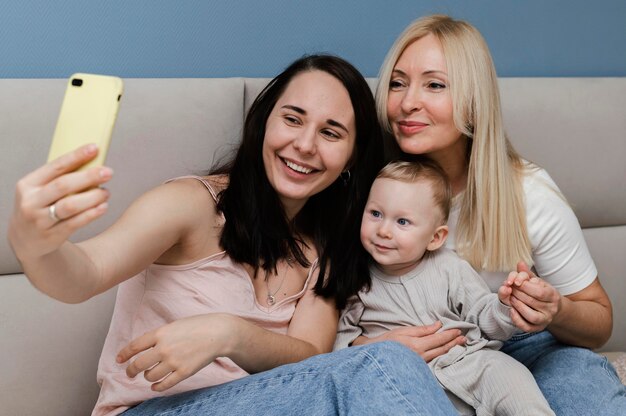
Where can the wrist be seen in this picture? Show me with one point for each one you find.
(561, 313)
(235, 333)
(20, 251)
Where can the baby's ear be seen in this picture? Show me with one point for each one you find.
(439, 237)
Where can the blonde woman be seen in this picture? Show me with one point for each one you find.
(438, 96)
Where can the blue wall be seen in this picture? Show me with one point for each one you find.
(193, 38)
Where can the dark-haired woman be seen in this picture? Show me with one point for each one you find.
(236, 273)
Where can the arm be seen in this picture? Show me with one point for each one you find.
(475, 303)
(568, 299)
(180, 349)
(584, 318)
(75, 272)
(425, 340)
(349, 329)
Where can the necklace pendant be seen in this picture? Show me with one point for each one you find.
(271, 300)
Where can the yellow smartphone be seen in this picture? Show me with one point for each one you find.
(88, 114)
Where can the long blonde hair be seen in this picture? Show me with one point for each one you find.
(491, 231)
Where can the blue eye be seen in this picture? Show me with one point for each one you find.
(403, 221)
(376, 214)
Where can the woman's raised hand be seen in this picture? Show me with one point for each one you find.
(423, 340)
(54, 201)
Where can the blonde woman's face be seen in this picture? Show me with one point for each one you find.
(419, 104)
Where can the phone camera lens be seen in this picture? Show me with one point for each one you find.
(77, 82)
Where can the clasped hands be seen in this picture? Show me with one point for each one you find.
(534, 302)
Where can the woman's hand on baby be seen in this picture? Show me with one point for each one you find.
(534, 303)
(178, 350)
(424, 340)
(36, 229)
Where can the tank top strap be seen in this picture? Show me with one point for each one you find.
(205, 182)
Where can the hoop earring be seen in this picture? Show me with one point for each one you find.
(345, 177)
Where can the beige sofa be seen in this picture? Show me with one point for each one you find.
(574, 127)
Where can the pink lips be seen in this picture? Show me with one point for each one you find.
(380, 247)
(408, 128)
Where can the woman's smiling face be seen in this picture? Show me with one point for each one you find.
(309, 138)
(419, 104)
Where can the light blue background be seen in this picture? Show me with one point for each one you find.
(226, 38)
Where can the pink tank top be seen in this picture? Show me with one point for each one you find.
(165, 293)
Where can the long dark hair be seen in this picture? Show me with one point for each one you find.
(257, 230)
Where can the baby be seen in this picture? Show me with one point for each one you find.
(416, 282)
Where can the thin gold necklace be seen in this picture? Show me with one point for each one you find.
(271, 296)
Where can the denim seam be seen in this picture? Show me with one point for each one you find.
(522, 336)
(389, 380)
(606, 365)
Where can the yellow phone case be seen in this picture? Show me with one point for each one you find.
(87, 115)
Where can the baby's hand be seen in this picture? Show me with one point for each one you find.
(515, 279)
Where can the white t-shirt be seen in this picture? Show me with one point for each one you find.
(559, 252)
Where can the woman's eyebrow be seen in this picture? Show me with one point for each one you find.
(337, 124)
(330, 121)
(427, 72)
(294, 108)
(434, 71)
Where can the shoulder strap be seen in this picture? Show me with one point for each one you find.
(205, 182)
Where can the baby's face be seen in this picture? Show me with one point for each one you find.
(399, 221)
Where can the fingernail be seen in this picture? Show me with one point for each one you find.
(103, 206)
(118, 359)
(106, 173)
(91, 149)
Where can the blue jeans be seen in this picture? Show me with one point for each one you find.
(376, 379)
(574, 381)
